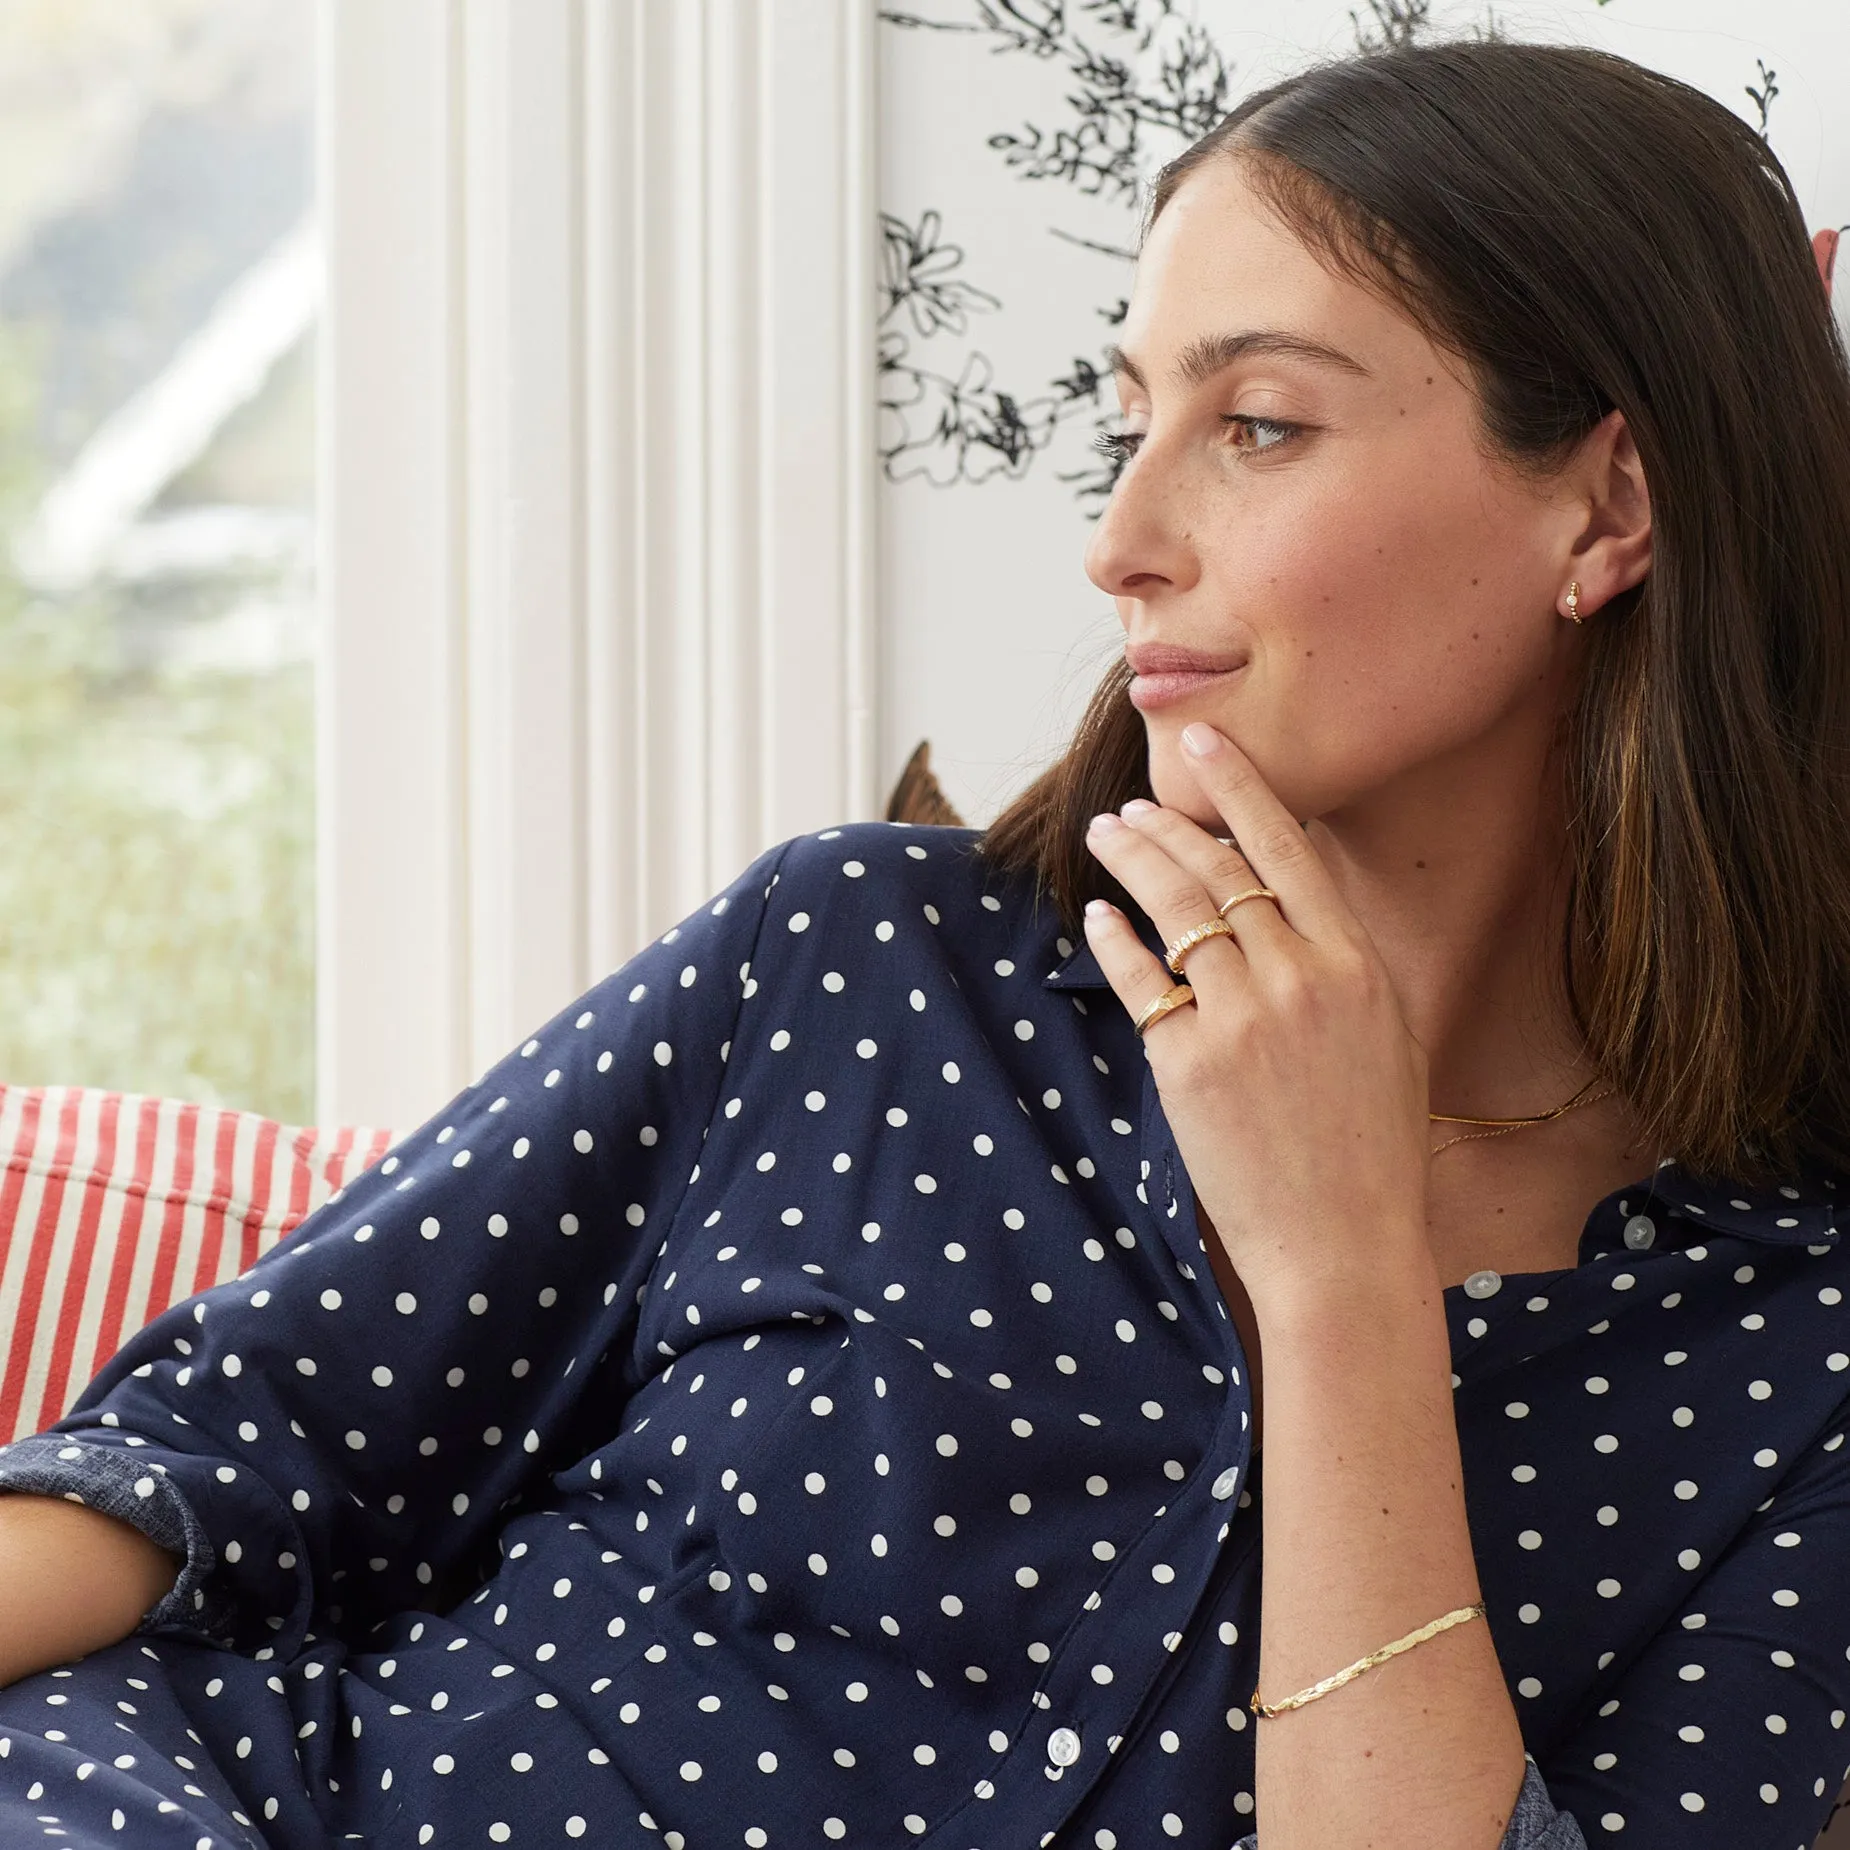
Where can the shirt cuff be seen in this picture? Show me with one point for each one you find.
(1533, 1825)
(134, 1490)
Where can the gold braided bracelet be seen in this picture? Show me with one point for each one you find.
(1430, 1630)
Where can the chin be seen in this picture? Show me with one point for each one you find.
(1174, 786)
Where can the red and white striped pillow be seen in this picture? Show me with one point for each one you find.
(113, 1207)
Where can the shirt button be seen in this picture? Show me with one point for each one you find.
(1063, 1747)
(1227, 1483)
(1640, 1231)
(1485, 1284)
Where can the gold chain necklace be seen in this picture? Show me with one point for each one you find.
(1506, 1125)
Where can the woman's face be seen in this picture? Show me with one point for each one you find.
(1309, 495)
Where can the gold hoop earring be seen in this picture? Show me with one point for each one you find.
(1573, 600)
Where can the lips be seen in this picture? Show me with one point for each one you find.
(1163, 658)
(1165, 674)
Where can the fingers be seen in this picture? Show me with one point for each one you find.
(1172, 896)
(1136, 977)
(1219, 873)
(1271, 838)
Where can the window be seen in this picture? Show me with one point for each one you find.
(159, 280)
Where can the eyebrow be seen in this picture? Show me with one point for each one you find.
(1201, 359)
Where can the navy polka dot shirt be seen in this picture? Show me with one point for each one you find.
(787, 1402)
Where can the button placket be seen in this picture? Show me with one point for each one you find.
(1130, 1610)
(1127, 1610)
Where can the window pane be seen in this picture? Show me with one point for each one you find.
(158, 288)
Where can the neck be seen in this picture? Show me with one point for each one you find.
(1458, 870)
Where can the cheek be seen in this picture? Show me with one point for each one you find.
(1374, 650)
(1394, 598)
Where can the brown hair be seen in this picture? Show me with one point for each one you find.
(1663, 270)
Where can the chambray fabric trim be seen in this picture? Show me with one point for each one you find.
(136, 1491)
(1533, 1825)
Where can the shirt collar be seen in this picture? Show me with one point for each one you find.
(1801, 1211)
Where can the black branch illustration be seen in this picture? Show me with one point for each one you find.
(1145, 81)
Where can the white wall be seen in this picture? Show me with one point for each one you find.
(992, 636)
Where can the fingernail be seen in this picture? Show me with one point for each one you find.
(1106, 821)
(1135, 805)
(1202, 740)
(1098, 908)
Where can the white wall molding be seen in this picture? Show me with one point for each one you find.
(598, 495)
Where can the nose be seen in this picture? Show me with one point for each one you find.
(1141, 544)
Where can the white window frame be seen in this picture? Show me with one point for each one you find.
(597, 491)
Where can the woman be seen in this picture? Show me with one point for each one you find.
(811, 1391)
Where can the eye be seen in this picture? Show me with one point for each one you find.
(1255, 437)
(1261, 434)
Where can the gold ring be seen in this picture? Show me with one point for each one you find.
(1252, 892)
(1176, 954)
(1177, 997)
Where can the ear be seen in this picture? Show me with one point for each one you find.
(1824, 248)
(1613, 549)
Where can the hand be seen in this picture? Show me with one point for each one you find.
(1297, 1095)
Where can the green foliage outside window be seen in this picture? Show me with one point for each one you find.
(156, 836)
